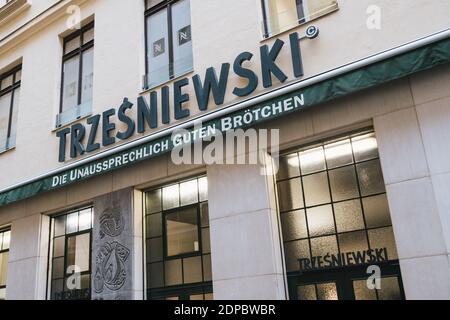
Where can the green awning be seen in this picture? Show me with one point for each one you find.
(370, 76)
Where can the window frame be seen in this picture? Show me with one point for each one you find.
(183, 290)
(10, 89)
(149, 11)
(2, 231)
(66, 238)
(76, 52)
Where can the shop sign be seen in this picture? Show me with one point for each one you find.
(82, 138)
(355, 258)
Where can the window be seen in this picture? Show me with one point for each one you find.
(4, 2)
(281, 15)
(70, 258)
(77, 75)
(335, 216)
(177, 242)
(5, 236)
(9, 107)
(168, 41)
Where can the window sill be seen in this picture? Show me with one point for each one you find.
(296, 25)
(3, 151)
(12, 9)
(73, 115)
(177, 77)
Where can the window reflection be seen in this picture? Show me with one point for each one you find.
(182, 232)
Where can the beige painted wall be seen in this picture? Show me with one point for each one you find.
(219, 34)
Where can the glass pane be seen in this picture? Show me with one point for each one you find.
(383, 238)
(290, 194)
(4, 259)
(354, 242)
(203, 189)
(155, 275)
(192, 269)
(376, 210)
(316, 189)
(282, 14)
(18, 76)
(362, 292)
(154, 250)
(296, 250)
(72, 223)
(5, 107)
(206, 242)
(15, 115)
(60, 226)
(182, 232)
(2, 294)
(70, 83)
(173, 274)
(154, 225)
(390, 289)
(196, 297)
(320, 221)
(158, 48)
(71, 45)
(173, 298)
(78, 251)
(339, 154)
(289, 167)
(323, 246)
(370, 178)
(327, 291)
(294, 225)
(57, 289)
(209, 296)
(306, 293)
(207, 273)
(7, 82)
(88, 36)
(204, 214)
(152, 3)
(343, 184)
(188, 192)
(171, 197)
(312, 160)
(348, 216)
(365, 147)
(85, 219)
(87, 76)
(6, 240)
(153, 201)
(58, 268)
(182, 37)
(59, 247)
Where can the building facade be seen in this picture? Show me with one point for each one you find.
(96, 95)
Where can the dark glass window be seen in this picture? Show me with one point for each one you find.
(333, 202)
(5, 236)
(70, 262)
(77, 75)
(281, 15)
(9, 107)
(178, 250)
(169, 40)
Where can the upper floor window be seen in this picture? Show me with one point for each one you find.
(77, 75)
(281, 15)
(9, 107)
(4, 257)
(169, 40)
(70, 259)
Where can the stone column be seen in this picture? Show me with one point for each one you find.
(245, 242)
(28, 255)
(114, 251)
